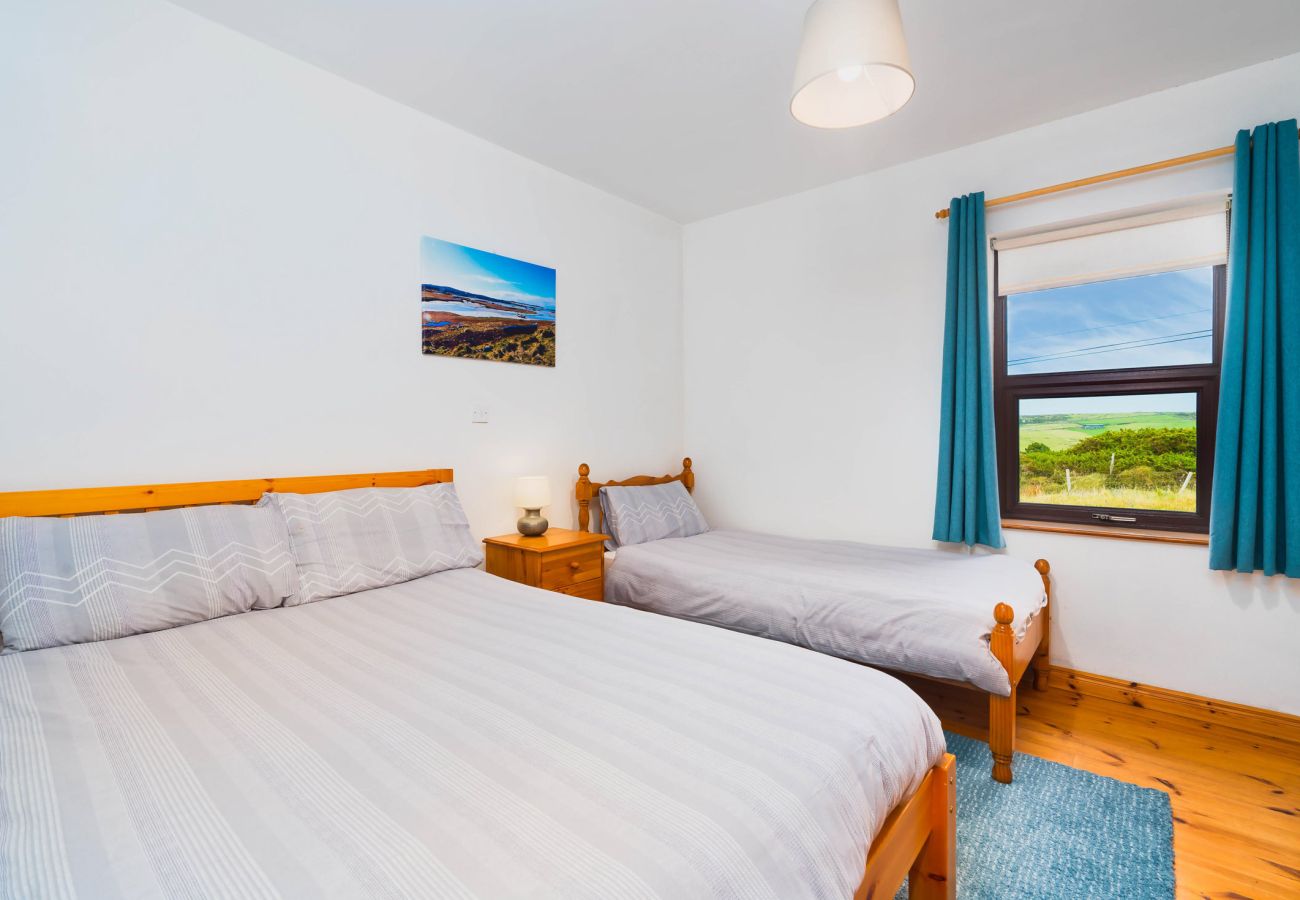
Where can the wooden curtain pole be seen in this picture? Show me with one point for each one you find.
(1109, 176)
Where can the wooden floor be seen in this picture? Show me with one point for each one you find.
(1235, 794)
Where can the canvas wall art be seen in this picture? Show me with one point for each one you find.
(480, 305)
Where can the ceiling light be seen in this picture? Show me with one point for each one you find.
(853, 66)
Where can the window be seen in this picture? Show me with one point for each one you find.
(1106, 373)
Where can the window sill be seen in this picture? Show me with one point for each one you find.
(1107, 531)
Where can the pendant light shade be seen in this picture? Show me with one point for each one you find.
(853, 66)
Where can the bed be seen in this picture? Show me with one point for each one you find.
(456, 735)
(977, 621)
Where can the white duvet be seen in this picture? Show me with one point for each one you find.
(455, 736)
(929, 612)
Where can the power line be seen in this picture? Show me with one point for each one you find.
(1121, 345)
(1195, 312)
(1136, 344)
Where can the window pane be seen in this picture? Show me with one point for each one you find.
(1150, 320)
(1134, 452)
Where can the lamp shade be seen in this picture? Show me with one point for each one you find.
(532, 492)
(853, 66)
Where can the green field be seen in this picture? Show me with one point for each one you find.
(1133, 460)
(1066, 429)
(1167, 499)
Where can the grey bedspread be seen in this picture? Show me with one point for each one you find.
(924, 611)
(454, 736)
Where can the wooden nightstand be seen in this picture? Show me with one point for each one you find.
(571, 562)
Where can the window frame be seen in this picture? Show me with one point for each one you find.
(1200, 379)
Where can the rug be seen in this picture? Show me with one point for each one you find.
(1057, 832)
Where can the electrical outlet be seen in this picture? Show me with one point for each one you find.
(479, 415)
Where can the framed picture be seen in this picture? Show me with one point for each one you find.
(480, 305)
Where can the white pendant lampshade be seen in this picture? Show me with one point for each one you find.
(853, 66)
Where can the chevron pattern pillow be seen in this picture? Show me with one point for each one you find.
(93, 578)
(349, 541)
(634, 515)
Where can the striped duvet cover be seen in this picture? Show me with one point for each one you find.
(929, 612)
(455, 736)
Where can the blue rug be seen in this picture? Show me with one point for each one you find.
(1057, 832)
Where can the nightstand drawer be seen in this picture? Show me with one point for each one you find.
(565, 568)
(587, 590)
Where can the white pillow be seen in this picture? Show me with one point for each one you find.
(92, 578)
(636, 514)
(349, 541)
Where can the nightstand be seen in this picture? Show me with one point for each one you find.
(570, 562)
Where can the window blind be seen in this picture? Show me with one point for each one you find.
(1163, 238)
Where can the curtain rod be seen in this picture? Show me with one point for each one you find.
(1109, 176)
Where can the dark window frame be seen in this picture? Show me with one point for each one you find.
(1008, 390)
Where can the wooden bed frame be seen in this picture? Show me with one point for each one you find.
(149, 497)
(918, 839)
(1016, 656)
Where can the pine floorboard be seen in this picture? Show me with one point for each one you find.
(1235, 794)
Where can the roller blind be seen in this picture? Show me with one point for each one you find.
(1142, 241)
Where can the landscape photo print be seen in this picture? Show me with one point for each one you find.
(480, 305)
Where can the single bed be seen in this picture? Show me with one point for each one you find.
(456, 735)
(974, 620)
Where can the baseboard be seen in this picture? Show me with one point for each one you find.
(1250, 719)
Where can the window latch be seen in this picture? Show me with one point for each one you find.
(1107, 517)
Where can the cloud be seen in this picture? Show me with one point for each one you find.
(485, 279)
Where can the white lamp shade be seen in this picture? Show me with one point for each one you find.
(532, 492)
(853, 65)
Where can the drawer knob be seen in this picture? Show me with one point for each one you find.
(575, 566)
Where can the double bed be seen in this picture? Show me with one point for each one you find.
(456, 735)
(974, 620)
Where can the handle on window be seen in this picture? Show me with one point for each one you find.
(1107, 517)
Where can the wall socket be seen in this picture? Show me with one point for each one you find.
(479, 415)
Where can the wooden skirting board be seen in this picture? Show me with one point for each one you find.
(1250, 719)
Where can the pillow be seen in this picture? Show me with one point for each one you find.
(634, 515)
(349, 541)
(92, 578)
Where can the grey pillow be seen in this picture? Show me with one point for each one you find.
(634, 515)
(349, 541)
(92, 578)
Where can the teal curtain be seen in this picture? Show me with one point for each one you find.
(1255, 513)
(966, 505)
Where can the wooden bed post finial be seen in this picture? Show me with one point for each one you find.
(1002, 710)
(1042, 660)
(688, 477)
(583, 492)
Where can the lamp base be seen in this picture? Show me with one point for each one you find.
(531, 524)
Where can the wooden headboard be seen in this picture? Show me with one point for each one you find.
(587, 489)
(149, 497)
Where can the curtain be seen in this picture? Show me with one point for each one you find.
(1255, 513)
(966, 504)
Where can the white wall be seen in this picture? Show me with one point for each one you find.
(209, 269)
(814, 327)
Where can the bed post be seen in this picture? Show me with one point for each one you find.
(934, 874)
(688, 477)
(1002, 710)
(1042, 665)
(583, 492)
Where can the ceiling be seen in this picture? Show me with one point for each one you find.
(681, 106)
